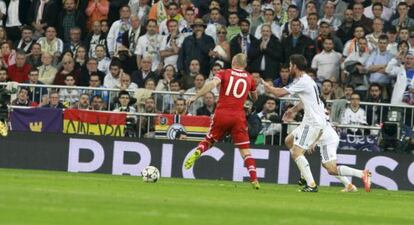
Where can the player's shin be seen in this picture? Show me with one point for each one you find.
(348, 171)
(250, 164)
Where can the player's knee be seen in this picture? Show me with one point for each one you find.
(331, 169)
(295, 152)
(289, 141)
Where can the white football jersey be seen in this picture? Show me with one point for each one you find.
(307, 90)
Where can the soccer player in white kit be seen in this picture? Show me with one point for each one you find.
(312, 129)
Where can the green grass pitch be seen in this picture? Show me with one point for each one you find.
(42, 197)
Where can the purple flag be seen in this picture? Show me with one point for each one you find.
(37, 120)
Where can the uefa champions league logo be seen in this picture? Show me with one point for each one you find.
(173, 129)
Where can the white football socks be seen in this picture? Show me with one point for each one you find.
(304, 169)
(348, 171)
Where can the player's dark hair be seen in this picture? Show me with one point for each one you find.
(299, 61)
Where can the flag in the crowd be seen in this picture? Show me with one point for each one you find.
(195, 127)
(37, 120)
(94, 123)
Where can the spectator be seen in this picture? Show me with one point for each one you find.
(214, 21)
(114, 38)
(254, 124)
(130, 43)
(50, 43)
(83, 102)
(94, 38)
(186, 24)
(233, 28)
(112, 79)
(345, 31)
(144, 73)
(115, 7)
(376, 64)
(221, 53)
(199, 81)
(3, 75)
(402, 67)
(270, 119)
(198, 46)
(35, 93)
(8, 55)
(149, 45)
(97, 103)
(104, 27)
(22, 98)
(96, 10)
(374, 112)
(378, 10)
(19, 72)
(148, 122)
(327, 92)
(354, 115)
(348, 91)
(403, 19)
(34, 59)
(245, 43)
(352, 45)
(74, 41)
(234, 7)
(329, 16)
(284, 77)
(81, 58)
(269, 59)
(69, 96)
(171, 44)
(53, 101)
(43, 14)
(68, 68)
(392, 41)
(26, 41)
(124, 100)
(103, 61)
(360, 18)
(312, 30)
(47, 72)
(355, 68)
(296, 43)
(209, 105)
(126, 84)
(168, 75)
(269, 16)
(180, 108)
(327, 63)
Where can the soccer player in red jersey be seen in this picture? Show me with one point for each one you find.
(229, 117)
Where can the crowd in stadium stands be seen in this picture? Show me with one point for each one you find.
(358, 50)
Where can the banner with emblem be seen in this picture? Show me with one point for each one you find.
(94, 123)
(37, 120)
(194, 127)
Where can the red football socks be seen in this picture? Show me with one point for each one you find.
(250, 164)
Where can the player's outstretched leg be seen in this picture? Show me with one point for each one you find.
(250, 164)
(365, 175)
(203, 146)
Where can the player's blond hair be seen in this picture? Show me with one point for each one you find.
(239, 61)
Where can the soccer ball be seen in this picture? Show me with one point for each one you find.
(150, 174)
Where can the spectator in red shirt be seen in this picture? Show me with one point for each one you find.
(19, 72)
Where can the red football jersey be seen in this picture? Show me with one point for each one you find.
(234, 89)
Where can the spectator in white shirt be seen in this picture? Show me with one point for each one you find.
(171, 44)
(114, 40)
(310, 9)
(103, 61)
(329, 15)
(112, 79)
(149, 45)
(327, 63)
(354, 115)
(69, 96)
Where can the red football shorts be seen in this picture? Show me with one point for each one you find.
(228, 122)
